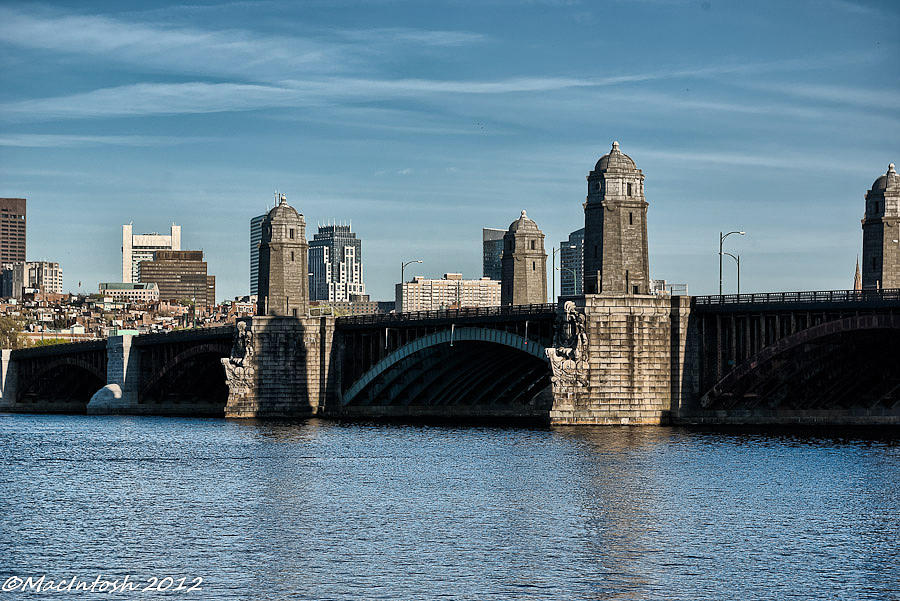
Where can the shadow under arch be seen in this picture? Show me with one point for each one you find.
(65, 384)
(839, 364)
(455, 373)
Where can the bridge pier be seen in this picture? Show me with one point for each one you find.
(8, 381)
(123, 367)
(638, 366)
(281, 367)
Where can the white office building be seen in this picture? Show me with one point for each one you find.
(450, 292)
(140, 247)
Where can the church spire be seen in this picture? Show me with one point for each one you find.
(857, 279)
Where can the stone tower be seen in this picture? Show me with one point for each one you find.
(615, 228)
(283, 281)
(524, 264)
(881, 233)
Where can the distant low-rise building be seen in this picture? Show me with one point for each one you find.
(450, 292)
(143, 292)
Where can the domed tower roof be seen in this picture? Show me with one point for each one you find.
(890, 181)
(523, 223)
(615, 159)
(283, 211)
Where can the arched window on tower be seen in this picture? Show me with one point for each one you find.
(629, 188)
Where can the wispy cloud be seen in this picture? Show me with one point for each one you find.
(853, 96)
(412, 36)
(167, 48)
(231, 52)
(768, 158)
(67, 140)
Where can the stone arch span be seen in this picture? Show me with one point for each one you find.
(194, 374)
(838, 364)
(64, 380)
(457, 372)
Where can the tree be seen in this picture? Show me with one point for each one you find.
(10, 332)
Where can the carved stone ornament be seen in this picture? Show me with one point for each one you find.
(568, 358)
(239, 369)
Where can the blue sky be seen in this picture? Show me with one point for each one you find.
(422, 122)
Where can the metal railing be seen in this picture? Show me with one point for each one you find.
(462, 313)
(812, 296)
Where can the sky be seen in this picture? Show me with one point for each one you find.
(422, 122)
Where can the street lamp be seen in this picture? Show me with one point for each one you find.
(721, 241)
(555, 250)
(402, 268)
(574, 276)
(737, 258)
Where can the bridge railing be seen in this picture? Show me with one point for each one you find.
(811, 296)
(187, 334)
(461, 313)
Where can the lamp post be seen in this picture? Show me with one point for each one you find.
(402, 268)
(737, 259)
(721, 241)
(574, 275)
(556, 250)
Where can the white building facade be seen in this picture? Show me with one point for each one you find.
(141, 247)
(335, 265)
(450, 292)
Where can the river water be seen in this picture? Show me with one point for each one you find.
(323, 510)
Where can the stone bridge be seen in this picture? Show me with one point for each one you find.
(177, 373)
(809, 357)
(458, 363)
(798, 356)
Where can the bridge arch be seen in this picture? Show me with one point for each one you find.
(835, 364)
(65, 379)
(194, 374)
(456, 366)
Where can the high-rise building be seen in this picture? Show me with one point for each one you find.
(492, 252)
(12, 230)
(137, 248)
(615, 227)
(451, 292)
(524, 264)
(335, 264)
(42, 276)
(255, 238)
(180, 275)
(571, 264)
(881, 233)
(283, 281)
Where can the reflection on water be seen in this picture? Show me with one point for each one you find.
(319, 510)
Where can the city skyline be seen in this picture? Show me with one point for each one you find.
(386, 117)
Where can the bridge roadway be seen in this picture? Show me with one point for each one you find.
(792, 357)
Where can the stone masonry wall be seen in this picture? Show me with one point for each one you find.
(627, 376)
(287, 374)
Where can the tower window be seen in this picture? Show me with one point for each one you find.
(533, 266)
(630, 218)
(629, 189)
(532, 244)
(291, 233)
(292, 256)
